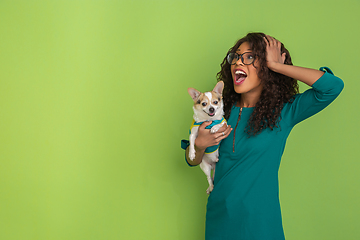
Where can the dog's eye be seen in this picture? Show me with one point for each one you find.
(215, 102)
(204, 104)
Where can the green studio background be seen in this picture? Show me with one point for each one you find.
(94, 102)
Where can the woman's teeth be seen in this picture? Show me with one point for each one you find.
(240, 76)
(240, 72)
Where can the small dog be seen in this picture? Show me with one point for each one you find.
(208, 106)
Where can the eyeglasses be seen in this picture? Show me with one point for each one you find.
(247, 58)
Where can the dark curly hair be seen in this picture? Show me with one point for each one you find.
(277, 88)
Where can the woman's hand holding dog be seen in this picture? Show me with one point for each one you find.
(207, 139)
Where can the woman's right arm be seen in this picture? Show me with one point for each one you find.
(206, 139)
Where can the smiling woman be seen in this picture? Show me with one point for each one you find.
(261, 101)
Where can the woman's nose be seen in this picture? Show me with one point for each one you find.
(239, 62)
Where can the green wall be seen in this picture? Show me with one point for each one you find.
(93, 105)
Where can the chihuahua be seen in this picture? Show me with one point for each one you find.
(208, 106)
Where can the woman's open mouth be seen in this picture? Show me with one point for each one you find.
(240, 77)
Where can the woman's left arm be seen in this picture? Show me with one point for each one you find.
(275, 62)
(325, 86)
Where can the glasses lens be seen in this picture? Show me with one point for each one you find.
(232, 58)
(248, 58)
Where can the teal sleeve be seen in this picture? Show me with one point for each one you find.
(184, 145)
(323, 92)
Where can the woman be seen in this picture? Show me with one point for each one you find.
(262, 105)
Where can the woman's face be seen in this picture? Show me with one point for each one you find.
(245, 77)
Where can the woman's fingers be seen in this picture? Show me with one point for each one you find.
(273, 49)
(205, 124)
(206, 139)
(223, 134)
(223, 128)
(266, 41)
(270, 41)
(283, 57)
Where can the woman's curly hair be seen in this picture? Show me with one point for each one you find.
(277, 88)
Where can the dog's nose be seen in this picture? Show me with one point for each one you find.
(211, 109)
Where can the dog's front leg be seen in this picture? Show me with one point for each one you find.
(192, 138)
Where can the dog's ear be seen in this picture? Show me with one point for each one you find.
(219, 87)
(194, 93)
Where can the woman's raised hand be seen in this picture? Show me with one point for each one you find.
(273, 52)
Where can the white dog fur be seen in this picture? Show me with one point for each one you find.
(208, 106)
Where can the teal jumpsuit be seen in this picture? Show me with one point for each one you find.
(245, 201)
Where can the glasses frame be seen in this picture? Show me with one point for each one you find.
(238, 56)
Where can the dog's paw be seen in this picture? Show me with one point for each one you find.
(192, 155)
(209, 190)
(214, 129)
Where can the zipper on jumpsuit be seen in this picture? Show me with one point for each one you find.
(236, 127)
